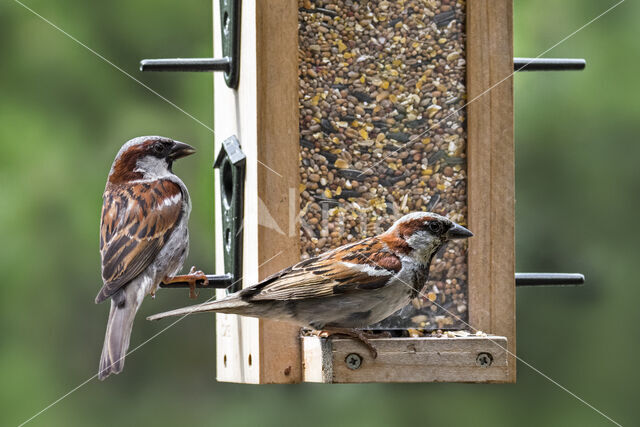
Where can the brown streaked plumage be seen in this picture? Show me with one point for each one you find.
(353, 286)
(132, 234)
(143, 235)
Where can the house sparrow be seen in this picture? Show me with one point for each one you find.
(143, 235)
(350, 287)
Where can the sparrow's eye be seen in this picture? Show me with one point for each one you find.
(435, 227)
(158, 147)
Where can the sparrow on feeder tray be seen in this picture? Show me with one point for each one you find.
(347, 288)
(144, 238)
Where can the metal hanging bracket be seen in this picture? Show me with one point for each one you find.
(230, 61)
(231, 164)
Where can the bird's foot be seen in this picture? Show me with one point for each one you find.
(192, 279)
(357, 334)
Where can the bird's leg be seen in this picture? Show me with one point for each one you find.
(357, 334)
(191, 278)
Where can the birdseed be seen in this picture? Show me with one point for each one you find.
(380, 86)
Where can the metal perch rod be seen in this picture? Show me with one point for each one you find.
(222, 281)
(217, 281)
(223, 64)
(186, 64)
(549, 279)
(548, 64)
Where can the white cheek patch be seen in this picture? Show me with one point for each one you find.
(152, 167)
(423, 244)
(365, 268)
(421, 240)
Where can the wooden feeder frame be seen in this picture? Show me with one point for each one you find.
(263, 114)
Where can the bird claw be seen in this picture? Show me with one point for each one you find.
(196, 276)
(192, 290)
(192, 279)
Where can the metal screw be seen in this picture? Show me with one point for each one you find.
(353, 361)
(484, 359)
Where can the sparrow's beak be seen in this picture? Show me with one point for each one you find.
(180, 149)
(458, 232)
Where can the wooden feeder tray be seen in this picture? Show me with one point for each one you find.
(409, 360)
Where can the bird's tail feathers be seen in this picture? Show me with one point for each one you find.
(230, 305)
(116, 339)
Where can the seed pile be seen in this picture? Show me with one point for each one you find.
(381, 83)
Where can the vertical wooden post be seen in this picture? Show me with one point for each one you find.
(491, 170)
(278, 139)
(263, 114)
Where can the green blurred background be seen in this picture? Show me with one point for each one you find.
(64, 113)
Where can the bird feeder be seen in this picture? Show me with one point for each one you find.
(338, 117)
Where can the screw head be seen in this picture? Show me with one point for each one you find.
(353, 361)
(484, 359)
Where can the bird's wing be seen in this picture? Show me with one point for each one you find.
(364, 265)
(356, 267)
(137, 220)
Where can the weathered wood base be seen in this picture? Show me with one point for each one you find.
(425, 359)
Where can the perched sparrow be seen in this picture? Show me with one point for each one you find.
(143, 235)
(353, 286)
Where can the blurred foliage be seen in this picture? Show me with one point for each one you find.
(64, 113)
